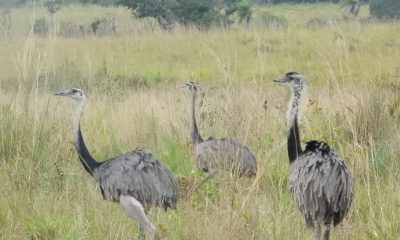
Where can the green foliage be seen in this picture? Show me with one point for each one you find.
(12, 3)
(100, 2)
(176, 156)
(243, 9)
(381, 161)
(41, 27)
(158, 9)
(201, 13)
(52, 6)
(197, 12)
(385, 9)
(345, 3)
(304, 1)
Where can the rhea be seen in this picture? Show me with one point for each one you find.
(135, 179)
(320, 182)
(212, 154)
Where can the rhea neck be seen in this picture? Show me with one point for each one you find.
(195, 131)
(294, 146)
(88, 162)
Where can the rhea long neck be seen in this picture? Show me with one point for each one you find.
(294, 146)
(195, 131)
(88, 162)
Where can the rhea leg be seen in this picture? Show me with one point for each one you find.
(327, 231)
(317, 231)
(134, 209)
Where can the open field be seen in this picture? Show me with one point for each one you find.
(135, 100)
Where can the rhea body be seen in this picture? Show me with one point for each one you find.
(320, 182)
(226, 154)
(135, 179)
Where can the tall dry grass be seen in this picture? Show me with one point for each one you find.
(135, 100)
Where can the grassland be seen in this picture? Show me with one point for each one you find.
(133, 81)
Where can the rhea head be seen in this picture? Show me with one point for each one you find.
(74, 93)
(298, 85)
(293, 79)
(192, 86)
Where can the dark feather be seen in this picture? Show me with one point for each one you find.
(294, 146)
(88, 162)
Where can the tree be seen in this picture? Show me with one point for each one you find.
(201, 13)
(385, 9)
(158, 9)
(52, 6)
(244, 11)
(197, 12)
(353, 6)
(99, 2)
(5, 16)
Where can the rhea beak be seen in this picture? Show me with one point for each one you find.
(64, 93)
(282, 80)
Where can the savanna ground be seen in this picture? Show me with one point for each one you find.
(133, 80)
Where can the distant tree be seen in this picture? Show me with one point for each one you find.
(99, 2)
(197, 12)
(20, 2)
(12, 3)
(52, 6)
(5, 16)
(244, 11)
(385, 9)
(353, 6)
(298, 1)
(158, 9)
(204, 13)
(201, 13)
(41, 27)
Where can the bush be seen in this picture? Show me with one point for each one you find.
(385, 9)
(40, 27)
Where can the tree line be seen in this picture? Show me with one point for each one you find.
(204, 13)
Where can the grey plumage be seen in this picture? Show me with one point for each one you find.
(137, 174)
(227, 154)
(136, 179)
(320, 182)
